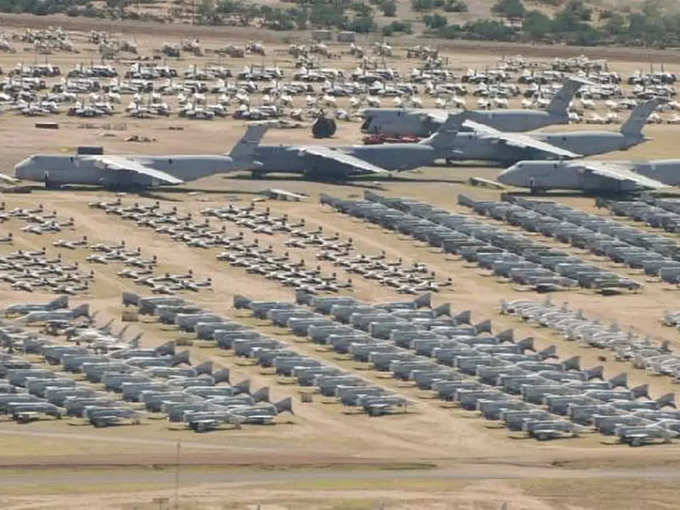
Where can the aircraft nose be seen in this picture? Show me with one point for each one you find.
(509, 176)
(22, 168)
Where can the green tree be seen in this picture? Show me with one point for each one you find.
(326, 15)
(422, 5)
(578, 10)
(509, 8)
(389, 8)
(435, 21)
(455, 6)
(537, 25)
(361, 24)
(615, 24)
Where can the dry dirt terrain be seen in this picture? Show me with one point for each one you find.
(432, 457)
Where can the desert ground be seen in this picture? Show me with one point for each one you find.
(432, 457)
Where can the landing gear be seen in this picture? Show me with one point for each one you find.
(533, 189)
(50, 184)
(257, 174)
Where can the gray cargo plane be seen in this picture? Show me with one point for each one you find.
(423, 122)
(485, 143)
(319, 161)
(137, 171)
(594, 176)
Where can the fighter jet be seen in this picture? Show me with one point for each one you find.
(485, 143)
(323, 162)
(133, 171)
(24, 308)
(423, 122)
(593, 176)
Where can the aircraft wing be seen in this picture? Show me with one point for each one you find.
(123, 164)
(359, 165)
(620, 173)
(283, 194)
(8, 179)
(518, 140)
(438, 116)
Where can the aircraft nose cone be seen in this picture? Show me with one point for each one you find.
(21, 169)
(508, 176)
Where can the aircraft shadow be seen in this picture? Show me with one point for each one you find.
(571, 194)
(357, 183)
(470, 164)
(156, 193)
(425, 180)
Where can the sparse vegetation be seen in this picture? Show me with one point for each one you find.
(397, 27)
(455, 6)
(509, 8)
(655, 23)
(389, 8)
(435, 21)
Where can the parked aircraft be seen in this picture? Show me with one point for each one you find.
(424, 122)
(132, 171)
(591, 175)
(486, 143)
(24, 308)
(341, 162)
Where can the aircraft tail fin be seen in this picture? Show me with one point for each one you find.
(244, 150)
(560, 102)
(221, 375)
(548, 352)
(446, 134)
(243, 386)
(424, 301)
(504, 336)
(483, 327)
(134, 341)
(527, 344)
(444, 309)
(122, 331)
(463, 317)
(82, 310)
(204, 368)
(572, 363)
(58, 303)
(640, 391)
(619, 380)
(261, 395)
(130, 298)
(667, 400)
(595, 372)
(284, 405)
(166, 348)
(638, 117)
(302, 297)
(182, 357)
(107, 326)
(241, 302)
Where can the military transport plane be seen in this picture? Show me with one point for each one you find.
(482, 142)
(318, 161)
(135, 171)
(423, 122)
(593, 176)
